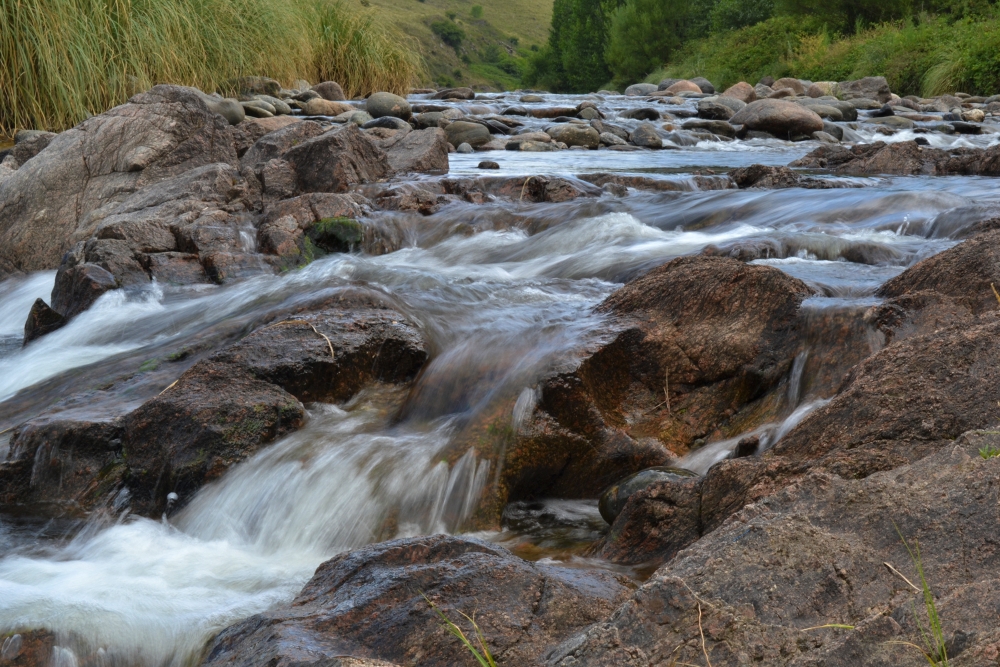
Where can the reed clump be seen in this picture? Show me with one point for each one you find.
(63, 60)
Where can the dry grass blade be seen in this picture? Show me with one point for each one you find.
(834, 626)
(995, 292)
(900, 575)
(701, 633)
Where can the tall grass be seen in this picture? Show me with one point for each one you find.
(62, 60)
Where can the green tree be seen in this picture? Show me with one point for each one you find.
(846, 16)
(736, 14)
(644, 34)
(573, 60)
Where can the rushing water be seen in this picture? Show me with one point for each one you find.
(502, 292)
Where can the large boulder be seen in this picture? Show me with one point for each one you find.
(330, 90)
(379, 105)
(463, 132)
(219, 412)
(573, 134)
(423, 151)
(62, 195)
(820, 575)
(639, 89)
(909, 400)
(778, 117)
(741, 91)
(336, 160)
(373, 603)
(870, 88)
(695, 349)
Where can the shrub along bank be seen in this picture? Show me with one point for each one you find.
(925, 57)
(63, 60)
(922, 47)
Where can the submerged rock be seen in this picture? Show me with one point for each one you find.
(614, 497)
(373, 603)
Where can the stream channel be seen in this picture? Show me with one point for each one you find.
(498, 303)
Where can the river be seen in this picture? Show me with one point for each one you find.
(502, 292)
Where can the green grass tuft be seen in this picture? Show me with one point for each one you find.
(932, 637)
(63, 60)
(989, 452)
(481, 654)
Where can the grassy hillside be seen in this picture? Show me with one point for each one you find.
(495, 44)
(927, 57)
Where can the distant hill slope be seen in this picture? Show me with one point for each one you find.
(492, 47)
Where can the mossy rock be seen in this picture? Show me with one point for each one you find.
(336, 234)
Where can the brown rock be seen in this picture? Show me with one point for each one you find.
(903, 158)
(815, 554)
(871, 88)
(741, 91)
(321, 107)
(454, 94)
(41, 320)
(780, 118)
(276, 143)
(79, 286)
(282, 230)
(62, 195)
(763, 176)
(246, 133)
(175, 268)
(683, 87)
(371, 603)
(822, 89)
(788, 83)
(965, 273)
(420, 151)
(334, 161)
(330, 90)
(721, 333)
(227, 407)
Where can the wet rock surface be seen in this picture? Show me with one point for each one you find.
(371, 603)
(217, 413)
(899, 405)
(904, 158)
(690, 350)
(813, 555)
